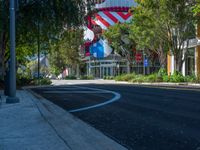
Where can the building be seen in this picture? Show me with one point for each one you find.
(191, 65)
(100, 58)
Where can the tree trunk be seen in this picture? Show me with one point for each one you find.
(162, 57)
(129, 63)
(178, 62)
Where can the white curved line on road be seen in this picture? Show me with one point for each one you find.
(116, 97)
(74, 92)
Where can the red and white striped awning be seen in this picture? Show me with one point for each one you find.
(105, 19)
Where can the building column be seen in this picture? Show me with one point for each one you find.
(197, 61)
(197, 54)
(184, 64)
(170, 64)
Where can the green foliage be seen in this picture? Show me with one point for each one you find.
(24, 80)
(151, 78)
(196, 9)
(86, 77)
(138, 78)
(65, 52)
(44, 81)
(38, 22)
(118, 37)
(177, 77)
(166, 78)
(163, 25)
(125, 77)
(162, 72)
(108, 77)
(70, 78)
(161, 76)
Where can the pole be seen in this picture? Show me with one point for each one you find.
(38, 42)
(144, 70)
(12, 74)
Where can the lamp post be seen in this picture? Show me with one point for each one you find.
(38, 43)
(12, 66)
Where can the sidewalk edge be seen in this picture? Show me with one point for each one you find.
(72, 130)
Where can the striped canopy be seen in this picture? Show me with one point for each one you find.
(106, 19)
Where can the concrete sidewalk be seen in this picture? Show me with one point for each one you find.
(37, 124)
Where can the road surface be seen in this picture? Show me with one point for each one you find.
(138, 117)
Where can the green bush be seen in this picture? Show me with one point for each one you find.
(161, 76)
(177, 77)
(165, 78)
(23, 80)
(125, 77)
(138, 78)
(86, 77)
(45, 81)
(162, 72)
(41, 81)
(108, 77)
(118, 78)
(151, 78)
(70, 78)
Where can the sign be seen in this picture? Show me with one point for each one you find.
(146, 63)
(138, 57)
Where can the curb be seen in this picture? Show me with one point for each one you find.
(76, 134)
(169, 85)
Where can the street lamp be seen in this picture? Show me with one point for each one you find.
(12, 66)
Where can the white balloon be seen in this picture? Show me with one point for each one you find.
(107, 49)
(88, 34)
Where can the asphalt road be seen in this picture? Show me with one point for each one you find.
(141, 118)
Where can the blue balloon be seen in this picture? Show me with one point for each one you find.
(100, 49)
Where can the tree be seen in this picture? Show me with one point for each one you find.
(38, 19)
(146, 30)
(163, 26)
(118, 36)
(65, 52)
(196, 8)
(3, 32)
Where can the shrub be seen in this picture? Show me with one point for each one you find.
(70, 78)
(177, 77)
(118, 78)
(151, 78)
(86, 77)
(23, 80)
(165, 78)
(125, 77)
(138, 78)
(45, 81)
(41, 81)
(108, 77)
(162, 72)
(161, 76)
